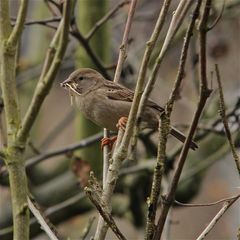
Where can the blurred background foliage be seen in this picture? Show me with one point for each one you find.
(57, 182)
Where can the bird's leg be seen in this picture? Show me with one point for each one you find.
(122, 122)
(108, 141)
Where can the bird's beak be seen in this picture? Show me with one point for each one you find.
(66, 83)
(69, 84)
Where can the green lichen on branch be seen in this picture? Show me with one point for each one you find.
(13, 152)
(222, 112)
(164, 129)
(17, 135)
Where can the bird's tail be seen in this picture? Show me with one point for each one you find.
(180, 136)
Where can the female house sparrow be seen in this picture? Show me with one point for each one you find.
(105, 102)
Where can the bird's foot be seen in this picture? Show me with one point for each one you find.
(108, 141)
(122, 122)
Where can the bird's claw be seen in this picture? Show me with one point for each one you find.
(122, 122)
(108, 141)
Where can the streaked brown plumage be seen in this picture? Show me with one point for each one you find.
(105, 102)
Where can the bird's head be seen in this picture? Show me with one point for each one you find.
(82, 80)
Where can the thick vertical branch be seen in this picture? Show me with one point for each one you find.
(8, 85)
(14, 153)
(17, 135)
(204, 94)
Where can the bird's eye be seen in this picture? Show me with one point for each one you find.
(80, 78)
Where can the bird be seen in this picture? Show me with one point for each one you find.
(108, 104)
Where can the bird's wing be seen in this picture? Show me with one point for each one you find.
(121, 93)
(118, 92)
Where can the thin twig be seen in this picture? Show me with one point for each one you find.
(210, 226)
(104, 211)
(76, 33)
(204, 94)
(123, 48)
(103, 20)
(41, 22)
(218, 17)
(176, 22)
(44, 21)
(205, 204)
(16, 32)
(87, 228)
(49, 212)
(56, 152)
(50, 8)
(53, 153)
(45, 224)
(222, 113)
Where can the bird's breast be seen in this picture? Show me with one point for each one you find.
(101, 110)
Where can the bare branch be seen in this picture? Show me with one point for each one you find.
(210, 226)
(14, 158)
(218, 18)
(109, 186)
(222, 113)
(87, 228)
(64, 150)
(49, 6)
(49, 212)
(113, 170)
(159, 169)
(165, 129)
(17, 30)
(123, 48)
(41, 22)
(104, 211)
(176, 21)
(53, 153)
(204, 94)
(49, 72)
(75, 32)
(135, 112)
(45, 224)
(205, 204)
(109, 15)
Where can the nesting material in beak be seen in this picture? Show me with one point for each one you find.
(69, 85)
(66, 83)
